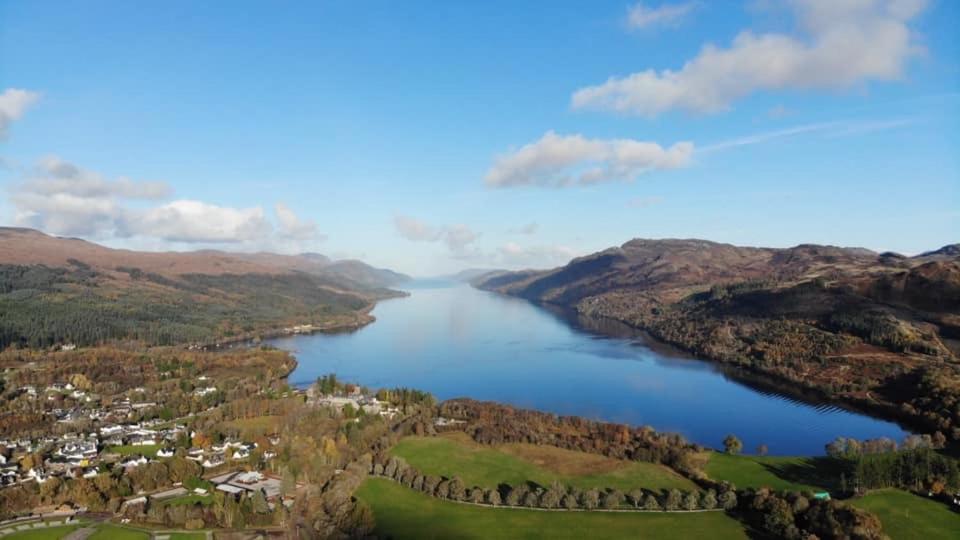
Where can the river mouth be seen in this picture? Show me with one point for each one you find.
(456, 341)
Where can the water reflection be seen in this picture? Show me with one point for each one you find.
(456, 341)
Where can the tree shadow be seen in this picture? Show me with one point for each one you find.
(823, 472)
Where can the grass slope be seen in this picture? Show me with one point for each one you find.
(402, 513)
(107, 531)
(776, 472)
(53, 533)
(475, 464)
(906, 516)
(149, 450)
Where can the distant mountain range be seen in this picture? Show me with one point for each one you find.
(55, 290)
(29, 246)
(880, 330)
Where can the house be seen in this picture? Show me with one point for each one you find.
(241, 453)
(213, 461)
(134, 461)
(143, 440)
(165, 452)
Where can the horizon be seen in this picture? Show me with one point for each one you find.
(479, 268)
(430, 139)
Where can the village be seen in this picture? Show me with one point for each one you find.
(123, 434)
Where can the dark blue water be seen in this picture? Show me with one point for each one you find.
(455, 341)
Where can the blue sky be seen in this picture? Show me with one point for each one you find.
(434, 136)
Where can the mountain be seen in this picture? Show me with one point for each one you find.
(862, 327)
(56, 290)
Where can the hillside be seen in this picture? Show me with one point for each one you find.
(64, 290)
(879, 331)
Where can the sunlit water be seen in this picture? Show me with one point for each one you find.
(455, 341)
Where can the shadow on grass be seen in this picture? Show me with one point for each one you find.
(824, 472)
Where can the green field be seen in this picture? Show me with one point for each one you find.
(53, 533)
(252, 427)
(149, 450)
(402, 513)
(107, 531)
(906, 516)
(456, 455)
(782, 473)
(190, 500)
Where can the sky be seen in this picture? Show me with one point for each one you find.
(430, 137)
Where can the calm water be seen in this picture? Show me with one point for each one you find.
(455, 341)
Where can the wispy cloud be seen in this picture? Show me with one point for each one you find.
(835, 129)
(457, 237)
(13, 103)
(641, 16)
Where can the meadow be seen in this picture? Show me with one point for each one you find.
(403, 513)
(455, 454)
(906, 516)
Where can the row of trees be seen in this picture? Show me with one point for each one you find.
(556, 496)
(493, 423)
(877, 463)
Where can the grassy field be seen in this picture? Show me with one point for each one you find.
(107, 531)
(403, 513)
(53, 533)
(906, 516)
(190, 500)
(793, 473)
(252, 427)
(456, 454)
(149, 450)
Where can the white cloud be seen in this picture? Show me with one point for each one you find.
(640, 16)
(13, 103)
(61, 198)
(841, 43)
(55, 175)
(198, 222)
(292, 226)
(564, 160)
(457, 237)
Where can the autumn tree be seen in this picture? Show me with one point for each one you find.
(732, 445)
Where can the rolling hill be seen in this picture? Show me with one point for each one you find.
(879, 331)
(64, 290)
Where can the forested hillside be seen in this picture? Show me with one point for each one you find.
(875, 330)
(56, 291)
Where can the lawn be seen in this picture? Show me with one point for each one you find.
(403, 513)
(187, 536)
(190, 500)
(776, 472)
(107, 531)
(258, 425)
(487, 466)
(149, 450)
(53, 533)
(906, 516)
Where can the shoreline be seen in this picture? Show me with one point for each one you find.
(755, 379)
